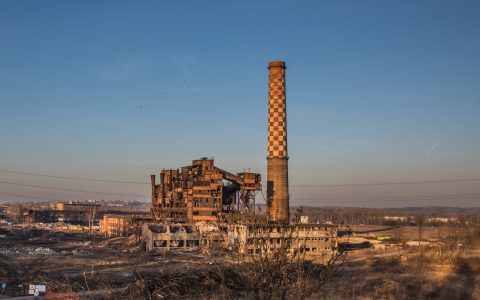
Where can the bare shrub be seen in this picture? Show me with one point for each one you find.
(282, 270)
(387, 265)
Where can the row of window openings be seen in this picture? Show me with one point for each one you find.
(175, 243)
(277, 241)
(197, 213)
(258, 251)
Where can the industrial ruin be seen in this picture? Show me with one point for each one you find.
(202, 192)
(204, 224)
(187, 199)
(311, 239)
(203, 205)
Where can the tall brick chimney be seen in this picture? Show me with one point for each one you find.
(277, 159)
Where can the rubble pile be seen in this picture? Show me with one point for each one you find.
(81, 252)
(41, 251)
(28, 251)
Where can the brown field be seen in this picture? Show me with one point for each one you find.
(93, 267)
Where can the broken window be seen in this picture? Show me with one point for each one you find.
(174, 229)
(188, 229)
(160, 243)
(192, 243)
(176, 243)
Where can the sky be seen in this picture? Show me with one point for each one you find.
(378, 92)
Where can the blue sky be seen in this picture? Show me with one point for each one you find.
(377, 91)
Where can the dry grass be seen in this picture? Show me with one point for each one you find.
(416, 275)
(448, 272)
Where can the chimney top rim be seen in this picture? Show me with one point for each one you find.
(276, 63)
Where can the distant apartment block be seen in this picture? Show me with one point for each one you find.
(116, 225)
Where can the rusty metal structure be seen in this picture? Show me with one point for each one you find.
(201, 192)
(277, 159)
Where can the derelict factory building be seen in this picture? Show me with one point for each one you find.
(204, 192)
(201, 192)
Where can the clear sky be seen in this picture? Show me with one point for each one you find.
(377, 92)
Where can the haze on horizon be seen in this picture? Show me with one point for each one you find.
(377, 93)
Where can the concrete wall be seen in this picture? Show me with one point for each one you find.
(168, 236)
(312, 239)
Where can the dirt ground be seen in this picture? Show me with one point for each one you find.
(429, 233)
(94, 267)
(77, 261)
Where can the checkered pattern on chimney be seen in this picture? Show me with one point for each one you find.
(277, 115)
